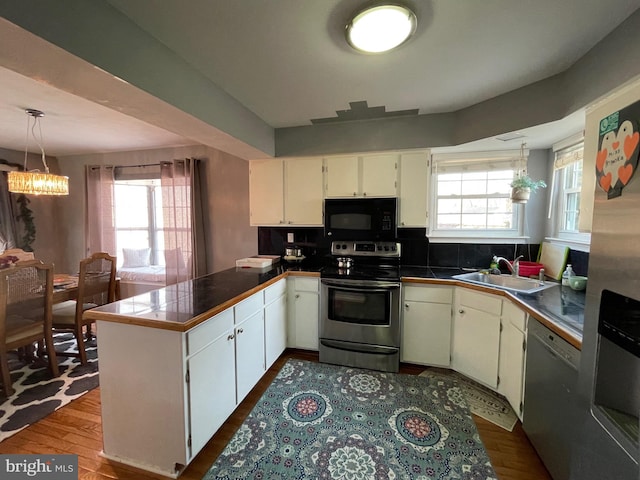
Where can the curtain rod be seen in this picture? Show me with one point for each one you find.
(96, 167)
(93, 167)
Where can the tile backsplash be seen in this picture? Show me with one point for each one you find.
(416, 248)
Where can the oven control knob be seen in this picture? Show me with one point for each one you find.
(393, 248)
(386, 248)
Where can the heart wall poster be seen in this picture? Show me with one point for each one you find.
(618, 147)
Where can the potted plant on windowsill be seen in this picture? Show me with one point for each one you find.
(523, 186)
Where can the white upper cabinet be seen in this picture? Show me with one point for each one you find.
(373, 175)
(266, 191)
(414, 179)
(286, 191)
(380, 175)
(343, 176)
(303, 191)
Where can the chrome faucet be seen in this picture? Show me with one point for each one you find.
(514, 267)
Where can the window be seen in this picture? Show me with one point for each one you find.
(571, 184)
(564, 208)
(471, 195)
(138, 217)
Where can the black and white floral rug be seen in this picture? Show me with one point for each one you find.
(38, 393)
(328, 422)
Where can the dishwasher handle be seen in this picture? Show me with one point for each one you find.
(571, 360)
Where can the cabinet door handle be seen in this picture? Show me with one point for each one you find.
(297, 295)
(231, 337)
(354, 194)
(406, 305)
(461, 311)
(240, 330)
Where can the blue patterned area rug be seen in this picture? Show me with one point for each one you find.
(38, 393)
(323, 421)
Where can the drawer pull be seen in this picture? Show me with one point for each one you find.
(231, 337)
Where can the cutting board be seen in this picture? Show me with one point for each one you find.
(554, 259)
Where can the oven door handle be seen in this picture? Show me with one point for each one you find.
(370, 289)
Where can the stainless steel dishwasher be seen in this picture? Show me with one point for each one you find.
(550, 414)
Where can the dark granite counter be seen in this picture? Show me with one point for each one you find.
(185, 305)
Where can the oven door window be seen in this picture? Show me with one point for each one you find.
(359, 306)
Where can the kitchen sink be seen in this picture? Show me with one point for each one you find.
(505, 282)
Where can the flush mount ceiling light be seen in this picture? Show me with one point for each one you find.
(35, 182)
(380, 28)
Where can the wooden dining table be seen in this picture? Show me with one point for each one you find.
(65, 287)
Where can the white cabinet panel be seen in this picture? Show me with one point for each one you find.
(379, 175)
(275, 328)
(212, 396)
(512, 356)
(426, 333)
(342, 176)
(303, 191)
(511, 371)
(303, 308)
(414, 181)
(266, 192)
(249, 354)
(476, 336)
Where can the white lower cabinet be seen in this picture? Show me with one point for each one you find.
(426, 325)
(512, 356)
(205, 383)
(476, 335)
(249, 338)
(303, 312)
(275, 321)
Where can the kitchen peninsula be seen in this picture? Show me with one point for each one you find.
(175, 362)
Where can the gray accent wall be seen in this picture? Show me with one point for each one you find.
(102, 36)
(611, 63)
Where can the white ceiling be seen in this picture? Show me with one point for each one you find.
(287, 61)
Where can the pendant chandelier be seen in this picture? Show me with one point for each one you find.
(35, 182)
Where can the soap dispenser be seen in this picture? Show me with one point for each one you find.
(568, 272)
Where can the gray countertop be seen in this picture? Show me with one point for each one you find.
(560, 305)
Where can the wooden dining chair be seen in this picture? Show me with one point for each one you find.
(96, 287)
(26, 293)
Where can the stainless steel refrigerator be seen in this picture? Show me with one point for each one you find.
(606, 435)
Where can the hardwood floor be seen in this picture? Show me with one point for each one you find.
(76, 428)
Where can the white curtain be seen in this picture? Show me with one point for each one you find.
(184, 254)
(184, 251)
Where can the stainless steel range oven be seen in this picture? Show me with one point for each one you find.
(360, 306)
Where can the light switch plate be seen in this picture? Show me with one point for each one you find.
(290, 237)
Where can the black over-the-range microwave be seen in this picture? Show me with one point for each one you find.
(361, 218)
